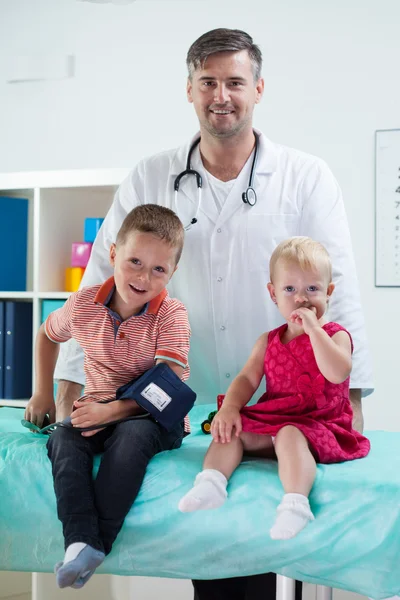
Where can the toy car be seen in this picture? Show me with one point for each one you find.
(206, 425)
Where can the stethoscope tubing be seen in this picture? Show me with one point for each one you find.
(249, 196)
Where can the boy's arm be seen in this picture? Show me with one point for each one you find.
(120, 409)
(177, 369)
(56, 329)
(96, 413)
(42, 401)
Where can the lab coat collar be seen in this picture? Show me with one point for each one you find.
(266, 164)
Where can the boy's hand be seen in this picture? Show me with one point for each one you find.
(225, 420)
(38, 407)
(87, 414)
(306, 318)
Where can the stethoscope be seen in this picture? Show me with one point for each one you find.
(249, 196)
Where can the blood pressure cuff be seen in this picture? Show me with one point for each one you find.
(161, 393)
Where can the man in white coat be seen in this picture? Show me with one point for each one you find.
(223, 272)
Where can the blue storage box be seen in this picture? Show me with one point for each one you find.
(48, 306)
(14, 237)
(92, 226)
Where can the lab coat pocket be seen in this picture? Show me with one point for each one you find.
(264, 233)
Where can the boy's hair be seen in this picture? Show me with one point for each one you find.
(158, 220)
(223, 40)
(302, 251)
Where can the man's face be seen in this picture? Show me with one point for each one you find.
(224, 93)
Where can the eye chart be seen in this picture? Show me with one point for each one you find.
(387, 208)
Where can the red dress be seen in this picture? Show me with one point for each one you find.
(298, 394)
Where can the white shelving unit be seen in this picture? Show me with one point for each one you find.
(59, 202)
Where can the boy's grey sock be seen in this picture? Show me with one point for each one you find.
(80, 582)
(75, 573)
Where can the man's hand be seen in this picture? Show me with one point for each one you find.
(87, 414)
(67, 393)
(38, 407)
(356, 404)
(222, 425)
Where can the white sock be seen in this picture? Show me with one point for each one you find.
(73, 550)
(293, 514)
(209, 491)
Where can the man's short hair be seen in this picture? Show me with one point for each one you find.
(303, 251)
(158, 220)
(223, 40)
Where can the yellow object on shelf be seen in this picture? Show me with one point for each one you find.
(73, 276)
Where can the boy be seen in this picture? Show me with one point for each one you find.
(124, 326)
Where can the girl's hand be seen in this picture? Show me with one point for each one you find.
(222, 425)
(87, 414)
(306, 318)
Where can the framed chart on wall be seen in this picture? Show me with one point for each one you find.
(387, 208)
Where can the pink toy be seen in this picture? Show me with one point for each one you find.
(80, 254)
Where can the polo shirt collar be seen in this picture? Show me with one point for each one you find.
(106, 290)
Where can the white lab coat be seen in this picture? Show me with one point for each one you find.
(223, 272)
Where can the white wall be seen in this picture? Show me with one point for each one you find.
(331, 73)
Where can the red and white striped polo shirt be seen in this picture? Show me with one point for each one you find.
(118, 351)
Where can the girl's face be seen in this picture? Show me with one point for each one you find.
(294, 287)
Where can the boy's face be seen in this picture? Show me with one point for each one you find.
(294, 288)
(143, 266)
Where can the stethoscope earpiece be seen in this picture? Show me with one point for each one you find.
(249, 196)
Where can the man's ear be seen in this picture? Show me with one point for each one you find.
(189, 87)
(271, 290)
(259, 90)
(113, 254)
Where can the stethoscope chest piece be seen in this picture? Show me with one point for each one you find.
(249, 196)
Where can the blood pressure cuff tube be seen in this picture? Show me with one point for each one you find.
(160, 392)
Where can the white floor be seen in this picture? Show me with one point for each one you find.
(17, 586)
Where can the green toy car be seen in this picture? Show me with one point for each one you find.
(206, 425)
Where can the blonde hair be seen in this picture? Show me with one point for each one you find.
(302, 251)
